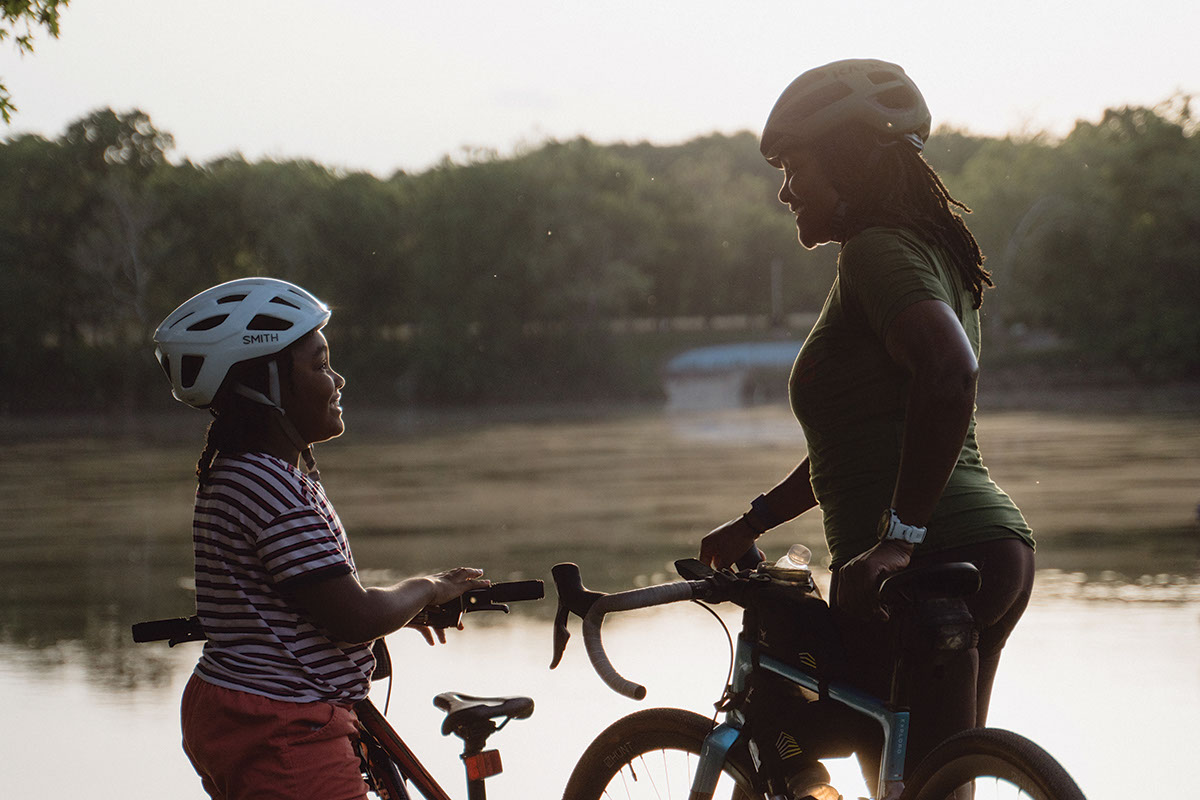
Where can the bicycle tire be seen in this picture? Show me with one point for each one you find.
(988, 763)
(653, 753)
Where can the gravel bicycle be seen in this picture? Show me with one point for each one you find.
(390, 767)
(784, 705)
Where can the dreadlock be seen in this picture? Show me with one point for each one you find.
(892, 184)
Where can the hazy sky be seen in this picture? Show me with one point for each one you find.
(398, 85)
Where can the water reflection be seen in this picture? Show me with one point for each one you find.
(1065, 669)
(96, 535)
(96, 529)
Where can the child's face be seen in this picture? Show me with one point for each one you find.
(313, 399)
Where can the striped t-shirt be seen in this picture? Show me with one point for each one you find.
(261, 526)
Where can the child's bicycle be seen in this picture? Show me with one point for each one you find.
(784, 705)
(390, 768)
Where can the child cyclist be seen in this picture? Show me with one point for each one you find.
(268, 711)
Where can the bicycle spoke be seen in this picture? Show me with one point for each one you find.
(662, 774)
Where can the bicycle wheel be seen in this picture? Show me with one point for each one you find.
(653, 754)
(990, 764)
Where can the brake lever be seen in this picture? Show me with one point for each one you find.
(561, 634)
(573, 597)
(450, 614)
(480, 600)
(444, 616)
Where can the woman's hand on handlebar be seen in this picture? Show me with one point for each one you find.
(858, 581)
(726, 544)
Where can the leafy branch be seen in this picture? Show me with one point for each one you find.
(18, 21)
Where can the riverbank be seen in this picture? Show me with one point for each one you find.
(1032, 387)
(1024, 387)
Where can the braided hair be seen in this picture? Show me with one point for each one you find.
(238, 423)
(892, 184)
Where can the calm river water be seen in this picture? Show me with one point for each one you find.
(1104, 671)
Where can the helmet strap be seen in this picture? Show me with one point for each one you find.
(273, 383)
(285, 424)
(275, 398)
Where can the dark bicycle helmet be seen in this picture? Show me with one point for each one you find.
(823, 100)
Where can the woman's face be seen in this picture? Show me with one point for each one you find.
(810, 196)
(312, 400)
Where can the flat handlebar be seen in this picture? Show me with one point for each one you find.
(447, 615)
(489, 598)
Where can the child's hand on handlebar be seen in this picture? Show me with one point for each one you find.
(455, 582)
(430, 633)
(447, 586)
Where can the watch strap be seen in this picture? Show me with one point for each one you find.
(760, 517)
(894, 529)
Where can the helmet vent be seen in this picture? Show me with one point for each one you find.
(284, 302)
(201, 343)
(189, 369)
(815, 101)
(881, 76)
(208, 323)
(900, 98)
(265, 322)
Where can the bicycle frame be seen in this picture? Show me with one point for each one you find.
(716, 747)
(802, 633)
(406, 761)
(473, 727)
(480, 764)
(751, 653)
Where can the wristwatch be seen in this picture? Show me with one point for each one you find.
(890, 527)
(760, 518)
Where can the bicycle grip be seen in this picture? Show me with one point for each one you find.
(625, 601)
(173, 631)
(512, 591)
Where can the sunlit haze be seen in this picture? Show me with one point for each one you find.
(382, 86)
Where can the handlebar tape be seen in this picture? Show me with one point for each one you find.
(626, 601)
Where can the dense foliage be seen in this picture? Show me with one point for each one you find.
(502, 278)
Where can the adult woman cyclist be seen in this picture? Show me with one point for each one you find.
(267, 712)
(884, 386)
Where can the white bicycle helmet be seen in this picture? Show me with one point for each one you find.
(823, 100)
(244, 319)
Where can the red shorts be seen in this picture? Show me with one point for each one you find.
(247, 746)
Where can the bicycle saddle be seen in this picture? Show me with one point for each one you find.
(464, 710)
(955, 579)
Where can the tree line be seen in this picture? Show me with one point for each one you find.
(493, 279)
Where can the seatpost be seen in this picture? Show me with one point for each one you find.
(480, 764)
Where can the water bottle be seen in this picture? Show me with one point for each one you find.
(792, 566)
